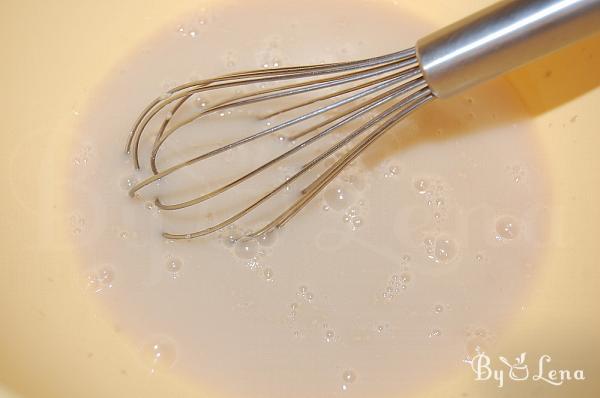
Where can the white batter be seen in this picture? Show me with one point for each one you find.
(420, 253)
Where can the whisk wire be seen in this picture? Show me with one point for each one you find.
(245, 78)
(351, 115)
(395, 78)
(279, 92)
(402, 108)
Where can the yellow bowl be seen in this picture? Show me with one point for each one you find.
(55, 342)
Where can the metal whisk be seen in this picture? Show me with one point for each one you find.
(383, 90)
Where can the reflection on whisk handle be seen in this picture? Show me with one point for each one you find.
(502, 37)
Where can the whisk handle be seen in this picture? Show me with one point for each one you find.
(502, 37)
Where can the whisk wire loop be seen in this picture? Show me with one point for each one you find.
(360, 89)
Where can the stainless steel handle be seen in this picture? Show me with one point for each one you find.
(501, 37)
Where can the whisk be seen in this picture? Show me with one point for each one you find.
(375, 93)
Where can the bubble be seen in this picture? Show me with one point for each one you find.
(101, 279)
(174, 265)
(106, 276)
(246, 248)
(329, 336)
(348, 376)
(252, 263)
(396, 284)
(435, 333)
(357, 222)
(267, 238)
(445, 250)
(422, 186)
(268, 273)
(405, 278)
(149, 205)
(517, 173)
(84, 156)
(160, 354)
(128, 182)
(93, 283)
(293, 311)
(352, 217)
(438, 309)
(441, 250)
(507, 227)
(231, 238)
(338, 198)
(303, 292)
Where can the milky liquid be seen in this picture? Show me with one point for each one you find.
(418, 254)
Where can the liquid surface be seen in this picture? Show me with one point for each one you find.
(419, 254)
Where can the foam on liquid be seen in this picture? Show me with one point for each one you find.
(413, 258)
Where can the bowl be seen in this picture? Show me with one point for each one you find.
(56, 342)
